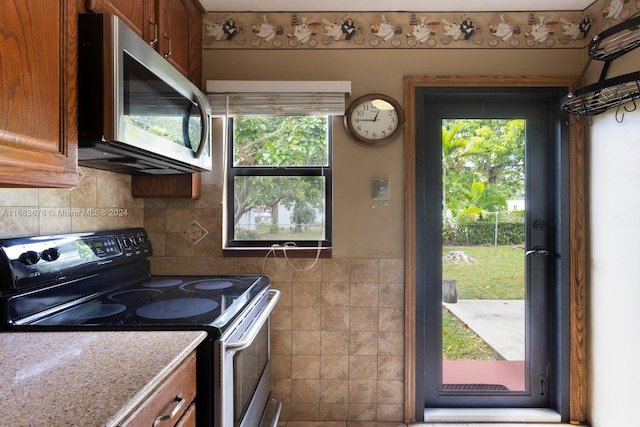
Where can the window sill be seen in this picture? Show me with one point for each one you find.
(325, 252)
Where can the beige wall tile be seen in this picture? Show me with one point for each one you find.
(179, 218)
(305, 367)
(281, 342)
(363, 294)
(391, 344)
(363, 391)
(364, 270)
(386, 412)
(54, 197)
(335, 318)
(391, 368)
(362, 412)
(306, 318)
(305, 342)
(391, 319)
(334, 391)
(391, 295)
(334, 342)
(334, 367)
(363, 343)
(307, 294)
(281, 389)
(363, 368)
(286, 291)
(390, 391)
(19, 197)
(336, 270)
(305, 411)
(335, 294)
(363, 318)
(281, 318)
(391, 271)
(307, 270)
(333, 411)
(281, 366)
(305, 391)
(176, 245)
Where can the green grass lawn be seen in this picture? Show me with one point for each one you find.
(490, 275)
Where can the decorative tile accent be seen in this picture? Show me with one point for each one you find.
(194, 232)
(81, 176)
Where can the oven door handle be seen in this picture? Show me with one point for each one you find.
(254, 329)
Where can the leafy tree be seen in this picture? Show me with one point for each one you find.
(282, 141)
(483, 165)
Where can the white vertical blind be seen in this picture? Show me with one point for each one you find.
(277, 98)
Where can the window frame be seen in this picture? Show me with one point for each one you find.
(301, 248)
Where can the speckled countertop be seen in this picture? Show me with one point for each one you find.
(84, 378)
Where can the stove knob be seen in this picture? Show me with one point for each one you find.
(50, 254)
(126, 242)
(29, 257)
(143, 241)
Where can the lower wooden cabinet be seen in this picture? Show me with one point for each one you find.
(172, 403)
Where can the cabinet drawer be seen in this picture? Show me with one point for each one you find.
(173, 396)
(189, 418)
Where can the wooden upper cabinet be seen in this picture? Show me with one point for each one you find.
(38, 107)
(172, 27)
(134, 13)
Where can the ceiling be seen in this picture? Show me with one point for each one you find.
(394, 5)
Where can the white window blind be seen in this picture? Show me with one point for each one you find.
(277, 98)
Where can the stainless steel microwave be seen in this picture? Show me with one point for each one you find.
(137, 114)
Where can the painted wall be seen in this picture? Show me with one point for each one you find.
(614, 151)
(362, 227)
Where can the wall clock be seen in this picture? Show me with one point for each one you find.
(374, 119)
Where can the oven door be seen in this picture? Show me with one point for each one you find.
(242, 369)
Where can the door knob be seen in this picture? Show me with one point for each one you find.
(537, 251)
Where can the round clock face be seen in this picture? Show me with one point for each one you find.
(374, 119)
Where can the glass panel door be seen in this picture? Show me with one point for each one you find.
(486, 181)
(483, 238)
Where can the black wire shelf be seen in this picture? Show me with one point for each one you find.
(597, 98)
(615, 92)
(616, 41)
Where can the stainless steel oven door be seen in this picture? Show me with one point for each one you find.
(242, 369)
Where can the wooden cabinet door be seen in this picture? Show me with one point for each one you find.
(174, 17)
(38, 112)
(137, 14)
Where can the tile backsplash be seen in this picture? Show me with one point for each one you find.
(338, 330)
(101, 200)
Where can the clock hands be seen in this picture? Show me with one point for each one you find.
(375, 118)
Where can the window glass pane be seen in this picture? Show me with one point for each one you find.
(281, 141)
(283, 208)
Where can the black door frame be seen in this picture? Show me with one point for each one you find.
(560, 293)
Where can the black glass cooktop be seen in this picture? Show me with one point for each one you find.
(194, 301)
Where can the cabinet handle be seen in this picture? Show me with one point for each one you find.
(167, 53)
(155, 32)
(180, 403)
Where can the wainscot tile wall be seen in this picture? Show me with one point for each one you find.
(338, 337)
(338, 330)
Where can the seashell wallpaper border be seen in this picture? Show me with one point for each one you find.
(413, 30)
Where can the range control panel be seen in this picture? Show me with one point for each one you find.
(28, 261)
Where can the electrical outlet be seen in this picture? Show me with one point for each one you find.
(380, 189)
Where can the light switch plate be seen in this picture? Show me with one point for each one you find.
(380, 189)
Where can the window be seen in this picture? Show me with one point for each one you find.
(279, 181)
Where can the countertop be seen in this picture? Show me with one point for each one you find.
(84, 378)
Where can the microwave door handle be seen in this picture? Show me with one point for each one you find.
(204, 137)
(256, 325)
